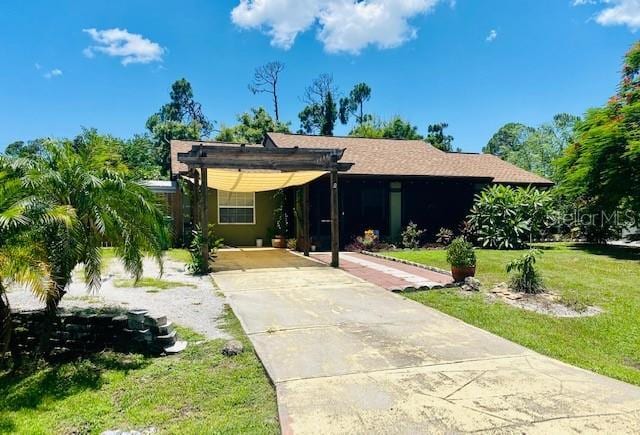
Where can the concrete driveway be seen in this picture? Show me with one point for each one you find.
(347, 356)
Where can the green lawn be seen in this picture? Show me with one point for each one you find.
(152, 284)
(197, 391)
(179, 255)
(174, 254)
(608, 277)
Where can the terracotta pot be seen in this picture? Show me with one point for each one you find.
(460, 273)
(279, 242)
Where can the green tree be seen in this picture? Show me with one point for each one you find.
(87, 179)
(372, 129)
(141, 155)
(534, 149)
(311, 119)
(329, 116)
(252, 127)
(598, 173)
(395, 128)
(353, 105)
(25, 149)
(438, 138)
(181, 118)
(318, 114)
(508, 138)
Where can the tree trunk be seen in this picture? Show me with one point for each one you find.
(275, 102)
(50, 317)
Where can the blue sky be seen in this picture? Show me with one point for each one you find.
(475, 64)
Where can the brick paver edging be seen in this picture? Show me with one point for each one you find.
(408, 262)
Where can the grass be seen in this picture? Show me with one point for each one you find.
(582, 275)
(179, 255)
(153, 284)
(197, 391)
(108, 254)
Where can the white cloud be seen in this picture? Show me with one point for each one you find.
(343, 25)
(37, 66)
(493, 34)
(616, 12)
(131, 47)
(53, 73)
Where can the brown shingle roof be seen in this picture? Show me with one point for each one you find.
(390, 157)
(411, 158)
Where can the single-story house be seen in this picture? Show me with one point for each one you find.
(389, 183)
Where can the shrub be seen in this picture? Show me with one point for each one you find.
(356, 245)
(199, 265)
(411, 236)
(508, 218)
(444, 236)
(467, 231)
(524, 275)
(367, 243)
(460, 253)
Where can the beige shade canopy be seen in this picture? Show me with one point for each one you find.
(233, 180)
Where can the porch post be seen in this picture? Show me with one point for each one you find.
(195, 207)
(335, 235)
(305, 220)
(204, 222)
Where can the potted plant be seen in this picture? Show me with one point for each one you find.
(280, 221)
(462, 258)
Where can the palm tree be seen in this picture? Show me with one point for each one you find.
(86, 181)
(21, 257)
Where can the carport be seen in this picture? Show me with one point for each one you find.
(255, 169)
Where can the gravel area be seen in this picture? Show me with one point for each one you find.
(543, 303)
(195, 304)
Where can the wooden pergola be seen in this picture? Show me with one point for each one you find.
(255, 159)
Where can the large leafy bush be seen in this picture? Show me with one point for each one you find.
(504, 217)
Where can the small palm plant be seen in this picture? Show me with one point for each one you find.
(524, 274)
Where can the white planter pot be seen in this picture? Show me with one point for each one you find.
(259, 243)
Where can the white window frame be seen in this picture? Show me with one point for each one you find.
(239, 206)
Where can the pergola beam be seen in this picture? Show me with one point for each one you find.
(214, 163)
(279, 159)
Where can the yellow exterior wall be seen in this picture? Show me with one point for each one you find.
(244, 234)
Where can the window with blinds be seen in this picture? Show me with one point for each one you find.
(236, 207)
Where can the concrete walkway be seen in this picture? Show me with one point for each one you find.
(347, 356)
